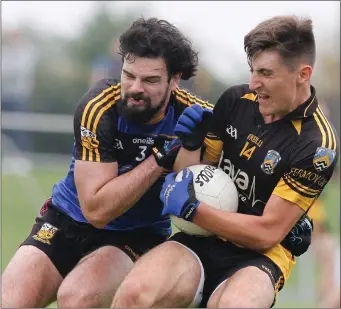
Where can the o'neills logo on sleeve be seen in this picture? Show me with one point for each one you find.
(147, 140)
(310, 176)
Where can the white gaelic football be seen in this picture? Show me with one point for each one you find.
(213, 187)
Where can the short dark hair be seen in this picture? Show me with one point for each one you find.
(153, 38)
(291, 36)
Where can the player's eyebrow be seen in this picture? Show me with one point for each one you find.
(144, 77)
(148, 76)
(261, 70)
(127, 72)
(265, 70)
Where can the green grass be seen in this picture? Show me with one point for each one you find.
(23, 196)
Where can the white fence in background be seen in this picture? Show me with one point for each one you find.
(37, 122)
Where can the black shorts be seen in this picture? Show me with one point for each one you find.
(66, 241)
(221, 259)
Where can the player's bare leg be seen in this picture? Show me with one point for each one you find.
(30, 280)
(247, 288)
(166, 277)
(94, 281)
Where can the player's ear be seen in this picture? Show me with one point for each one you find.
(304, 74)
(175, 80)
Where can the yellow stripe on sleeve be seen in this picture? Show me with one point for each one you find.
(332, 139)
(284, 191)
(321, 129)
(191, 98)
(213, 150)
(102, 110)
(301, 187)
(94, 128)
(96, 99)
(90, 110)
(98, 104)
(182, 100)
(84, 153)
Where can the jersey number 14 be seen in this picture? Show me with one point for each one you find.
(247, 152)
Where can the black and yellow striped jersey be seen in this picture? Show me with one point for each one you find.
(102, 135)
(292, 158)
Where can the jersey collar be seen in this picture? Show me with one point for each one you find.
(306, 109)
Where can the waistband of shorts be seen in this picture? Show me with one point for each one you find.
(64, 216)
(48, 205)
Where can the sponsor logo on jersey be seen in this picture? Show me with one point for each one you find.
(308, 175)
(88, 139)
(148, 141)
(255, 139)
(45, 234)
(323, 158)
(271, 160)
(232, 131)
(246, 186)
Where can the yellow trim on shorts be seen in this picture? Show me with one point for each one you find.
(282, 258)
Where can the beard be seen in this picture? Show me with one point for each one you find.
(136, 114)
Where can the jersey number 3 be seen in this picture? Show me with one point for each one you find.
(142, 155)
(247, 152)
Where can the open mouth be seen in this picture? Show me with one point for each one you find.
(263, 97)
(135, 102)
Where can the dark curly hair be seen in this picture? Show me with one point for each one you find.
(291, 36)
(153, 38)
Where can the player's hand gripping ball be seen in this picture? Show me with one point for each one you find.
(182, 193)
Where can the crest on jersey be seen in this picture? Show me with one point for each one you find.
(323, 158)
(88, 138)
(270, 162)
(45, 234)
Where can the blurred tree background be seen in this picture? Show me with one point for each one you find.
(64, 67)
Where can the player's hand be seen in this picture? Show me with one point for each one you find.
(299, 238)
(179, 197)
(165, 153)
(193, 125)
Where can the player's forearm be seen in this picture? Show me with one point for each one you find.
(252, 232)
(186, 158)
(121, 193)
